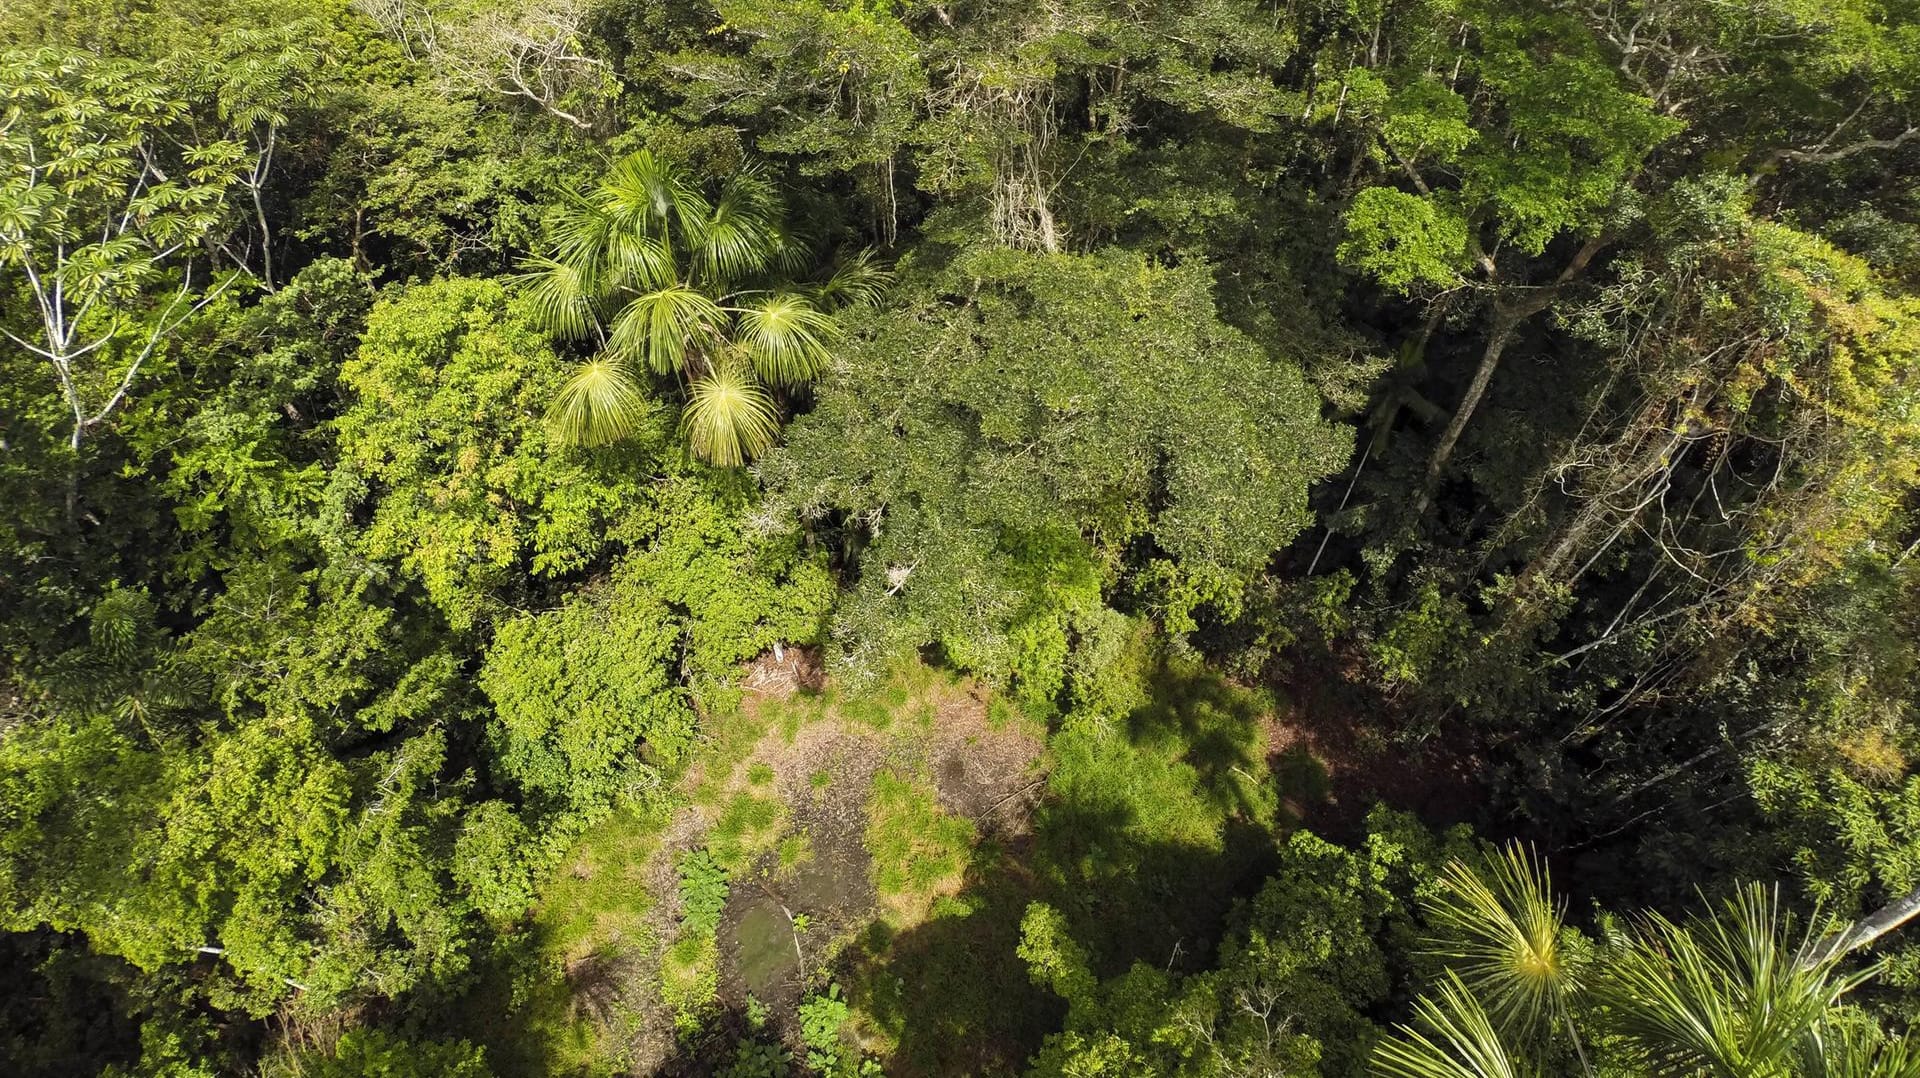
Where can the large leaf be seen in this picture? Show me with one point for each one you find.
(638, 263)
(561, 296)
(598, 405)
(786, 338)
(856, 282)
(661, 327)
(1853, 1052)
(729, 418)
(741, 236)
(609, 253)
(642, 195)
(578, 232)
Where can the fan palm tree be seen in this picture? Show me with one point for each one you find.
(1743, 991)
(1454, 1037)
(659, 277)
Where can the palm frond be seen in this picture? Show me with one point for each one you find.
(1858, 1051)
(741, 236)
(561, 296)
(792, 256)
(856, 282)
(659, 327)
(120, 619)
(642, 194)
(732, 247)
(691, 211)
(749, 190)
(637, 262)
(1739, 992)
(578, 233)
(1452, 1037)
(786, 338)
(729, 418)
(598, 405)
(1503, 933)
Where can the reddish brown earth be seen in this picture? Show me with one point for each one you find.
(1333, 767)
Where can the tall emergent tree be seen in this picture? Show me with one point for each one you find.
(661, 277)
(1533, 143)
(1018, 419)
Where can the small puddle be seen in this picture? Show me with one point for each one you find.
(763, 947)
(833, 888)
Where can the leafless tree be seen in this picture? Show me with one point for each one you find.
(530, 49)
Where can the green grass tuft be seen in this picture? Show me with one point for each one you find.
(919, 851)
(749, 826)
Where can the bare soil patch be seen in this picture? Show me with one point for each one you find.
(824, 774)
(822, 761)
(990, 775)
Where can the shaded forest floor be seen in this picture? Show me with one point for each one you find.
(1334, 766)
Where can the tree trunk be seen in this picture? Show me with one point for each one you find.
(1867, 930)
(1507, 315)
(1505, 321)
(266, 241)
(73, 470)
(258, 182)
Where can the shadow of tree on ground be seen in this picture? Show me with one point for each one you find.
(953, 992)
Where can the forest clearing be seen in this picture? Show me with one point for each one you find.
(938, 538)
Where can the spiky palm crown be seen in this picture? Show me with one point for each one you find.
(1743, 991)
(665, 279)
(1502, 930)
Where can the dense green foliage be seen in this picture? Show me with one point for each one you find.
(766, 537)
(989, 427)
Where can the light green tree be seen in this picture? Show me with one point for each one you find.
(257, 77)
(603, 694)
(462, 479)
(107, 193)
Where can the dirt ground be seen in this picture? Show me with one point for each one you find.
(1332, 770)
(984, 773)
(823, 775)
